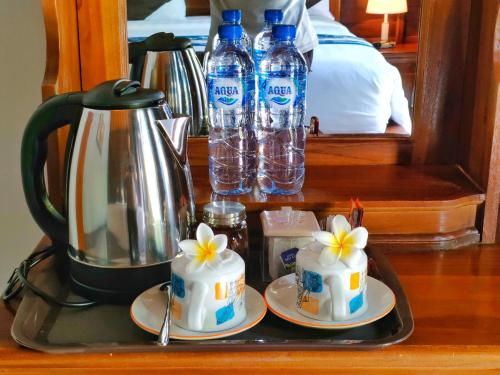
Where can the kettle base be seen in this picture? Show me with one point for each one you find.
(115, 285)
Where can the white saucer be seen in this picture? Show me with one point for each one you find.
(281, 297)
(148, 311)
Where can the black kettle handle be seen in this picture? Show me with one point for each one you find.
(56, 112)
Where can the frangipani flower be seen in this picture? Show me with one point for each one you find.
(344, 244)
(205, 250)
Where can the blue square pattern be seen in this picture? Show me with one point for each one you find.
(224, 314)
(178, 286)
(312, 282)
(356, 303)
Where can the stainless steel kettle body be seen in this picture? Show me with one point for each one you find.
(129, 189)
(169, 64)
(129, 199)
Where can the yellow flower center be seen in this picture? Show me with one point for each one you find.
(341, 246)
(206, 252)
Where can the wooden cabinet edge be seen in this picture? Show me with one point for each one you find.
(430, 241)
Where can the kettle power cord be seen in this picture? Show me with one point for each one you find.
(19, 280)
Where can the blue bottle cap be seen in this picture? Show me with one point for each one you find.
(284, 32)
(230, 32)
(231, 15)
(273, 15)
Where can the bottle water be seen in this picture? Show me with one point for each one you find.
(263, 39)
(233, 17)
(281, 134)
(231, 107)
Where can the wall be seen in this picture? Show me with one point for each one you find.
(22, 62)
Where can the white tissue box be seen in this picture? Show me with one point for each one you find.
(285, 232)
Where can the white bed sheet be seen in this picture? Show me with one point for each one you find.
(197, 26)
(364, 91)
(351, 89)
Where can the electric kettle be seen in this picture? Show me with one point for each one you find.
(129, 196)
(169, 64)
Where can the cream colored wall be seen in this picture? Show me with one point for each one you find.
(22, 62)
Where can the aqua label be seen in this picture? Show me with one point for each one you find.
(280, 93)
(226, 93)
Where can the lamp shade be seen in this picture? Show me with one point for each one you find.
(386, 6)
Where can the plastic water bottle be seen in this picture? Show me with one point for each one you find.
(233, 17)
(280, 125)
(263, 39)
(231, 105)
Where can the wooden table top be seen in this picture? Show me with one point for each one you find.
(453, 295)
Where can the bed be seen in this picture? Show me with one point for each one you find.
(351, 88)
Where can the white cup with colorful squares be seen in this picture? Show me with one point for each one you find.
(331, 273)
(208, 284)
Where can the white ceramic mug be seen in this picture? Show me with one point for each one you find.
(209, 300)
(331, 293)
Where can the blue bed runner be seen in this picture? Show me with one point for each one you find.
(343, 39)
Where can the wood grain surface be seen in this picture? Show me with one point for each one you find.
(376, 186)
(336, 8)
(453, 296)
(442, 58)
(102, 31)
(480, 143)
(62, 74)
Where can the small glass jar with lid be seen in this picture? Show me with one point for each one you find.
(229, 218)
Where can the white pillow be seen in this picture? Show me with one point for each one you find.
(321, 9)
(173, 10)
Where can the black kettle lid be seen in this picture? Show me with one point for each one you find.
(160, 42)
(166, 42)
(122, 94)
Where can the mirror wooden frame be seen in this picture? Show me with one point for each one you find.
(87, 44)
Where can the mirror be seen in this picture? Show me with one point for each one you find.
(354, 87)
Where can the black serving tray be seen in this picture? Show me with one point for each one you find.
(109, 328)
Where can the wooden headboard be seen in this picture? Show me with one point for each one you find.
(202, 8)
(335, 8)
(197, 7)
(404, 27)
